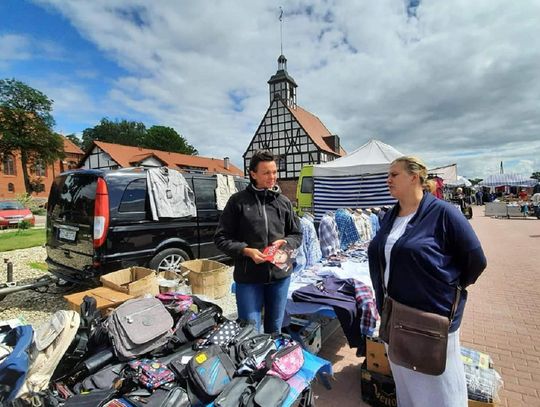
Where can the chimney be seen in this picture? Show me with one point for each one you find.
(333, 142)
(226, 163)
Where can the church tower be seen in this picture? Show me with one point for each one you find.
(282, 85)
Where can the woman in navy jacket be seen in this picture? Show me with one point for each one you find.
(426, 248)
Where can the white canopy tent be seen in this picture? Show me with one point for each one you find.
(357, 180)
(372, 158)
(514, 180)
(459, 182)
(448, 173)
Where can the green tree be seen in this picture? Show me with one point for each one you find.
(75, 140)
(26, 126)
(476, 180)
(167, 139)
(536, 175)
(123, 132)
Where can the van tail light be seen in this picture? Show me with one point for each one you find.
(101, 213)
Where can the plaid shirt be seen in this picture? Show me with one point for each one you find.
(328, 236)
(310, 242)
(348, 234)
(366, 305)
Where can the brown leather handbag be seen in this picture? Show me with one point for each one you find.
(416, 339)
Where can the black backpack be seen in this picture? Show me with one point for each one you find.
(89, 339)
(208, 373)
(252, 351)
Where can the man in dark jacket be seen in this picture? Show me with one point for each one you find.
(253, 219)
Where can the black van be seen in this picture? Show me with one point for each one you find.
(100, 221)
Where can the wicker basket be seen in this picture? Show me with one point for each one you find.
(207, 277)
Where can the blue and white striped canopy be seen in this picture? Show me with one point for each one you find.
(355, 191)
(515, 180)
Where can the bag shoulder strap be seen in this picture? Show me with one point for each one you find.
(456, 303)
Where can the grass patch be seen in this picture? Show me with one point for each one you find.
(21, 239)
(38, 265)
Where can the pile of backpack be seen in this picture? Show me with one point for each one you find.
(168, 350)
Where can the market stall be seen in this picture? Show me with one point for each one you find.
(507, 205)
(357, 180)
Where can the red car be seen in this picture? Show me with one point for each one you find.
(13, 212)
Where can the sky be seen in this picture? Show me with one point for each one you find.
(449, 81)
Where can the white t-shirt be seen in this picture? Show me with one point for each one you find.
(398, 228)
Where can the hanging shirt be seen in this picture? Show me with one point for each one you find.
(375, 225)
(169, 193)
(328, 236)
(348, 234)
(310, 246)
(367, 226)
(225, 188)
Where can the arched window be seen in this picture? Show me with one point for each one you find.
(11, 187)
(9, 164)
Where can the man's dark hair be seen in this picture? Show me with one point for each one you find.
(259, 156)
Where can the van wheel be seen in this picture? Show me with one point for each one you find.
(168, 260)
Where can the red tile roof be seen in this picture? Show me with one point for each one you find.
(70, 147)
(126, 155)
(314, 128)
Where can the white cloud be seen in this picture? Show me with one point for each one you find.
(458, 84)
(14, 47)
(17, 47)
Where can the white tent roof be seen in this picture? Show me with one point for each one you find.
(519, 180)
(460, 182)
(448, 173)
(372, 158)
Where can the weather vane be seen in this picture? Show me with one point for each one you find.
(281, 28)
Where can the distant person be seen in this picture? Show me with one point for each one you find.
(479, 197)
(252, 220)
(535, 199)
(523, 195)
(424, 255)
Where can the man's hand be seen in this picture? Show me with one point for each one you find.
(254, 254)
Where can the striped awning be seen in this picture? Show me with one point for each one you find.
(515, 180)
(357, 191)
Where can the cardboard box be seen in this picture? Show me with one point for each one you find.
(376, 357)
(208, 277)
(473, 403)
(378, 390)
(135, 281)
(106, 299)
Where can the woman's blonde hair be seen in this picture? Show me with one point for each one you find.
(414, 165)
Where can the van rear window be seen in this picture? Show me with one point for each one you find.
(307, 185)
(72, 198)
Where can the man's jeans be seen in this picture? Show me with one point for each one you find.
(251, 298)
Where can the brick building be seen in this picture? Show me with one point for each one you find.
(11, 176)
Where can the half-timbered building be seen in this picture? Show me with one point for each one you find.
(295, 136)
